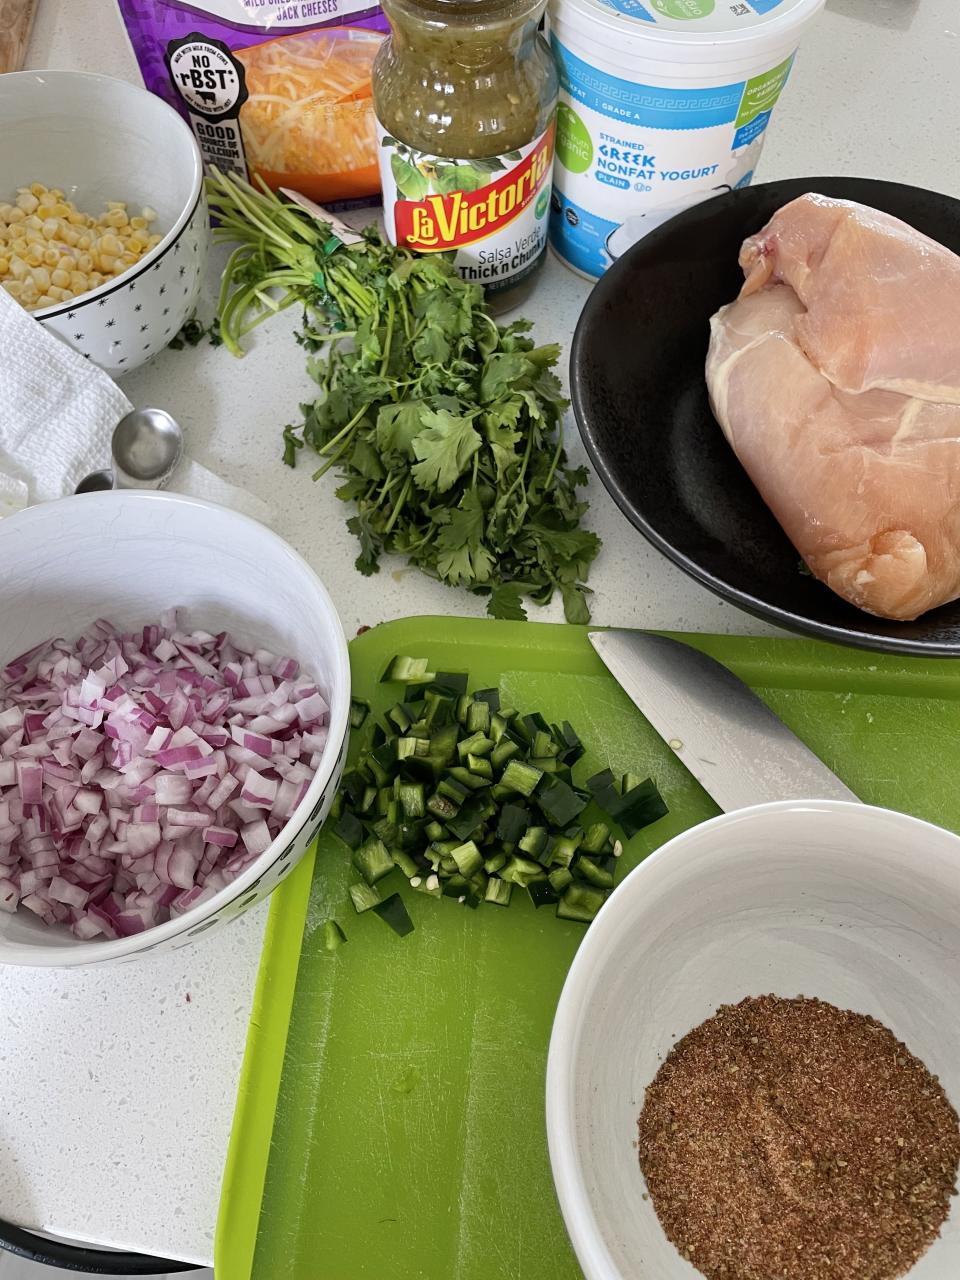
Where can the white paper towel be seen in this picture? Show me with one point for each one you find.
(57, 414)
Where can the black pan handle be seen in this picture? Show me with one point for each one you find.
(74, 1257)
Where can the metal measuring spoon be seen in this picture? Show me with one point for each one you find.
(147, 445)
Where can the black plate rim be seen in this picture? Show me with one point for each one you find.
(760, 609)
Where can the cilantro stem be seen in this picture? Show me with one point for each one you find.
(523, 467)
(399, 505)
(252, 209)
(250, 325)
(344, 431)
(362, 296)
(331, 461)
(387, 338)
(557, 453)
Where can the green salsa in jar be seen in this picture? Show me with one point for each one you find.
(465, 93)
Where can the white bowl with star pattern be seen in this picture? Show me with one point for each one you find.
(101, 139)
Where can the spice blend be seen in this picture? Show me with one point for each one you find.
(787, 1139)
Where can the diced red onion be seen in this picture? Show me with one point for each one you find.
(142, 772)
(256, 836)
(9, 896)
(222, 836)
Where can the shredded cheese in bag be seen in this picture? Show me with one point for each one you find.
(267, 88)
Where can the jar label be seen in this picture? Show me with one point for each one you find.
(491, 212)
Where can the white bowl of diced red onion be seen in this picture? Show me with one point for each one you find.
(174, 711)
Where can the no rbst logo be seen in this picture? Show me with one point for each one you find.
(206, 77)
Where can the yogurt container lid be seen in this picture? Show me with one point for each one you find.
(691, 22)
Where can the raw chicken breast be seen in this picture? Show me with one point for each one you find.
(864, 479)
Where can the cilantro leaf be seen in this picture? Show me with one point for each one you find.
(444, 448)
(575, 603)
(366, 561)
(505, 602)
(398, 425)
(503, 374)
(291, 443)
(462, 557)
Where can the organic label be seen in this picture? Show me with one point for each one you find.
(761, 93)
(684, 8)
(574, 147)
(491, 212)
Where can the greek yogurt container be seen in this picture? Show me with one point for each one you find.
(662, 104)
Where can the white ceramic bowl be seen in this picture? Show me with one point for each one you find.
(126, 556)
(856, 905)
(101, 139)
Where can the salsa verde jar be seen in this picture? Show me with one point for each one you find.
(465, 94)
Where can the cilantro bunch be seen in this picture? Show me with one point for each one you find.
(446, 427)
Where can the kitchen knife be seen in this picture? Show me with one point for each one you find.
(732, 743)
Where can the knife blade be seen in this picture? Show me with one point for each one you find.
(728, 738)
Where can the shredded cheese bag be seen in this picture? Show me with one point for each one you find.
(276, 90)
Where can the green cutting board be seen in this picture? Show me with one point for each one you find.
(390, 1117)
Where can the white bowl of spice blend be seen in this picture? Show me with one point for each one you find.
(805, 1131)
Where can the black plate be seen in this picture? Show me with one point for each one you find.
(640, 398)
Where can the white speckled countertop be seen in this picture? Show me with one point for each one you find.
(118, 1086)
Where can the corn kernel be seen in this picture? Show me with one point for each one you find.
(51, 251)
